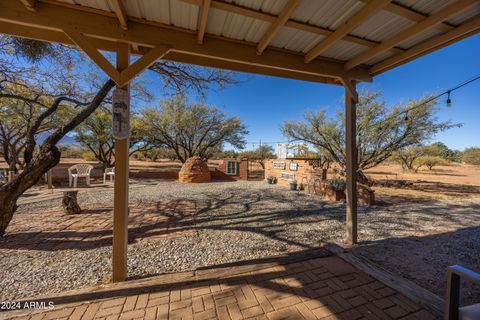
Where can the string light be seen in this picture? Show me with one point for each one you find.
(449, 101)
(448, 92)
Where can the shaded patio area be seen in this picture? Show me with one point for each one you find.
(312, 284)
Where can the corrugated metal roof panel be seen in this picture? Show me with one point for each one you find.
(382, 26)
(465, 15)
(295, 40)
(425, 6)
(269, 6)
(152, 10)
(343, 50)
(328, 13)
(183, 15)
(432, 32)
(380, 57)
(235, 26)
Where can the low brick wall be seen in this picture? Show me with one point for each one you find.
(284, 170)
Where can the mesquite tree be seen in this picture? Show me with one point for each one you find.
(380, 130)
(191, 129)
(95, 133)
(48, 154)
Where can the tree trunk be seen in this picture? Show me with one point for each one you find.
(11, 191)
(70, 203)
(7, 208)
(363, 179)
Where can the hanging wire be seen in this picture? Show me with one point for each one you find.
(448, 92)
(406, 111)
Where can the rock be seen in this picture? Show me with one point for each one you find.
(194, 170)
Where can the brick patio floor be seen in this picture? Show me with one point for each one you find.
(55, 230)
(319, 288)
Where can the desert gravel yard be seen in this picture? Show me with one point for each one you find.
(247, 220)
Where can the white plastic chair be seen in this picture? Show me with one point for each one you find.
(81, 170)
(108, 172)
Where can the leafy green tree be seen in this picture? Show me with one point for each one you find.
(431, 161)
(471, 156)
(439, 149)
(155, 153)
(260, 154)
(191, 129)
(408, 157)
(221, 154)
(95, 134)
(380, 130)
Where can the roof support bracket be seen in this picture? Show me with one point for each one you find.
(350, 88)
(125, 76)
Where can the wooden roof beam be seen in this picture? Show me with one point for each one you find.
(457, 33)
(411, 14)
(267, 17)
(202, 19)
(411, 32)
(277, 25)
(120, 13)
(94, 25)
(366, 12)
(30, 4)
(111, 46)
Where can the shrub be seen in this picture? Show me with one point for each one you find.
(88, 156)
(471, 156)
(337, 184)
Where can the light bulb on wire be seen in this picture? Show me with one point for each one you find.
(449, 101)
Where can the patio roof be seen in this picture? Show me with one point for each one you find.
(340, 42)
(319, 41)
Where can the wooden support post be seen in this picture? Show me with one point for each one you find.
(351, 99)
(120, 202)
(49, 179)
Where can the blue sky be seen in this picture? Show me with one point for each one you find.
(264, 103)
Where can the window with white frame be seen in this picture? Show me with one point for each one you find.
(231, 168)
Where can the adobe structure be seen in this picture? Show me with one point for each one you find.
(231, 169)
(194, 170)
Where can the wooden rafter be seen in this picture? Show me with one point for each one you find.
(30, 4)
(141, 64)
(267, 17)
(54, 17)
(120, 13)
(411, 32)
(366, 12)
(458, 32)
(411, 14)
(277, 24)
(202, 19)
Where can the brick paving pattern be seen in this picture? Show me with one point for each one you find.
(55, 230)
(321, 288)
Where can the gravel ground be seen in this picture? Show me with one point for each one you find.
(246, 220)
